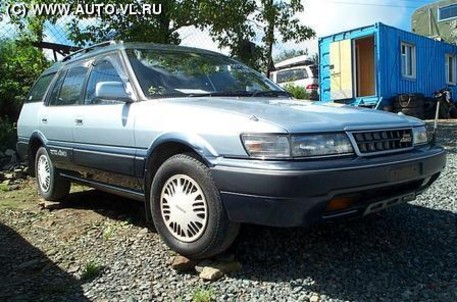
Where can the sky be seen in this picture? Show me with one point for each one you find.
(332, 16)
(327, 17)
(324, 16)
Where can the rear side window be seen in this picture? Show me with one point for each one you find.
(291, 75)
(40, 88)
(67, 91)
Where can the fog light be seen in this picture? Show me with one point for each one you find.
(340, 203)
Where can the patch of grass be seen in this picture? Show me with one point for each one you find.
(203, 294)
(110, 228)
(108, 232)
(91, 270)
(4, 188)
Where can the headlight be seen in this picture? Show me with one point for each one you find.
(321, 145)
(420, 135)
(306, 145)
(266, 145)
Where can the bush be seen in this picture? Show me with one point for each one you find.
(7, 134)
(20, 65)
(297, 92)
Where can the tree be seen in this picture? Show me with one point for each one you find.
(229, 25)
(20, 65)
(158, 28)
(279, 15)
(276, 19)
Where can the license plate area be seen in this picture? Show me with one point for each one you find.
(387, 203)
(404, 173)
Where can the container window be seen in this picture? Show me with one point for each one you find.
(450, 69)
(408, 60)
(447, 12)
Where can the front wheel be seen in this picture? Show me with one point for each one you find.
(51, 185)
(187, 209)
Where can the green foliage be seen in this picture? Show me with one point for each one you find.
(230, 24)
(202, 294)
(20, 65)
(7, 134)
(297, 92)
(157, 28)
(4, 188)
(91, 270)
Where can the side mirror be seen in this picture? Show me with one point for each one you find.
(112, 91)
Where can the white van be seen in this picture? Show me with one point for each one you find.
(298, 71)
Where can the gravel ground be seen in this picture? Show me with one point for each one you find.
(406, 253)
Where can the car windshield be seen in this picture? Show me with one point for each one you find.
(177, 73)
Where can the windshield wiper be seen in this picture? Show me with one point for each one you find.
(222, 93)
(257, 93)
(272, 93)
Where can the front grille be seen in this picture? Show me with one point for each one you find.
(383, 141)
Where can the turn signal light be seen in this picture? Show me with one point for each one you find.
(340, 203)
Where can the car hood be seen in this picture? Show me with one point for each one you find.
(302, 116)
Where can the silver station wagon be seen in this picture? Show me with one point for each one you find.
(207, 144)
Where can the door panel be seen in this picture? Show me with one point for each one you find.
(57, 117)
(103, 130)
(104, 137)
(341, 86)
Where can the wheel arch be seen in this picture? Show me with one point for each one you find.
(168, 145)
(36, 141)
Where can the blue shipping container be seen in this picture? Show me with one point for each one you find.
(367, 65)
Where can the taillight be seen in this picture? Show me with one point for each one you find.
(312, 87)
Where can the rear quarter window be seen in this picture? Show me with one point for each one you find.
(40, 88)
(290, 75)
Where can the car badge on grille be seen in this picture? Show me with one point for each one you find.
(406, 138)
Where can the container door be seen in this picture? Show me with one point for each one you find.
(341, 86)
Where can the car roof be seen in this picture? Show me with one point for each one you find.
(110, 46)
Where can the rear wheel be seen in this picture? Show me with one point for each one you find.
(51, 185)
(187, 209)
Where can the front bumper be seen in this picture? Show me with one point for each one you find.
(295, 193)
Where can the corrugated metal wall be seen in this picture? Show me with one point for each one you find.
(430, 61)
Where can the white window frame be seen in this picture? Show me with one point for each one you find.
(450, 80)
(408, 69)
(439, 13)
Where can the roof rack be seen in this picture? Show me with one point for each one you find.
(90, 48)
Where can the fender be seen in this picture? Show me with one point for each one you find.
(193, 141)
(38, 135)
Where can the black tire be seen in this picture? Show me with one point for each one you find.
(445, 109)
(56, 187)
(453, 111)
(203, 239)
